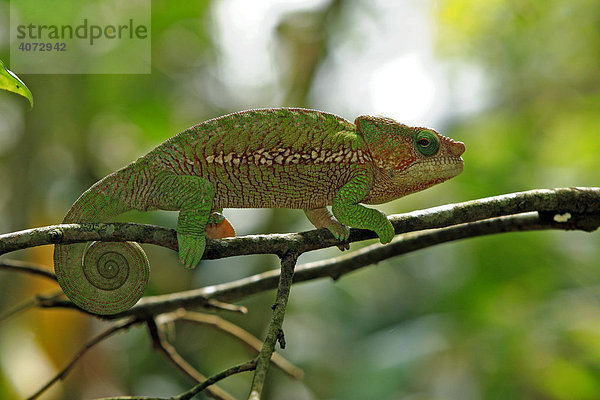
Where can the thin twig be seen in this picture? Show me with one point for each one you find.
(28, 305)
(168, 304)
(87, 346)
(168, 350)
(26, 267)
(247, 366)
(243, 336)
(275, 331)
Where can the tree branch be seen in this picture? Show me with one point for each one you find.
(236, 369)
(241, 335)
(247, 366)
(580, 201)
(567, 209)
(338, 266)
(275, 331)
(579, 208)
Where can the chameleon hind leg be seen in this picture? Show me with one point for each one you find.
(193, 197)
(322, 218)
(218, 226)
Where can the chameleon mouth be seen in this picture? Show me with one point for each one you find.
(460, 165)
(418, 176)
(441, 168)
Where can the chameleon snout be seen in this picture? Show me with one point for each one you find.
(451, 147)
(456, 148)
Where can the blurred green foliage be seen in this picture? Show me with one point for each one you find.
(503, 317)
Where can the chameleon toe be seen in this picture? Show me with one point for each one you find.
(344, 246)
(339, 231)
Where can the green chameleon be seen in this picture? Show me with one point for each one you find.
(269, 158)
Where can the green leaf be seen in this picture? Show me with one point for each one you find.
(12, 83)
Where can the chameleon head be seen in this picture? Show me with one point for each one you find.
(407, 159)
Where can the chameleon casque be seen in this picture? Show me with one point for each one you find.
(269, 158)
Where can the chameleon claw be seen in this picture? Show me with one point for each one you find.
(344, 246)
(341, 232)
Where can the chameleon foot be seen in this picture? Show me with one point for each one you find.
(191, 248)
(385, 231)
(340, 232)
(322, 218)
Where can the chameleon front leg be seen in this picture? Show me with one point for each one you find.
(346, 209)
(322, 218)
(193, 197)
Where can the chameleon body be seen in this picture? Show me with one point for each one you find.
(275, 158)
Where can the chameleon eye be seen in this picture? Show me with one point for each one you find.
(427, 142)
(423, 142)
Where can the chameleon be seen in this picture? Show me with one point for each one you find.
(262, 158)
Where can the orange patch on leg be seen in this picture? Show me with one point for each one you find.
(221, 230)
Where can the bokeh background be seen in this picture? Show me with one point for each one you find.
(513, 316)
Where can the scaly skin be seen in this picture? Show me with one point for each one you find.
(285, 157)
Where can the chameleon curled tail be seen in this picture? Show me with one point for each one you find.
(100, 277)
(110, 277)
